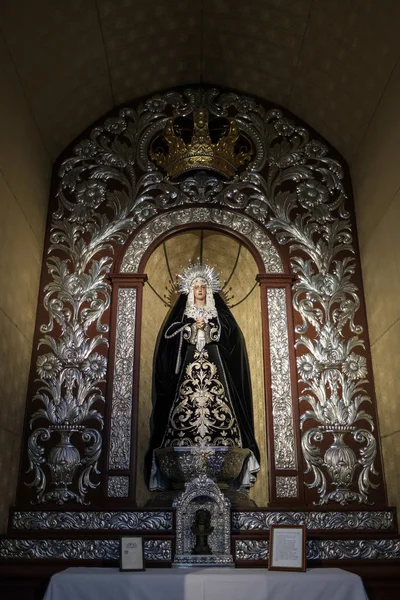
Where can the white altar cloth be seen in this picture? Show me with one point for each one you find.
(204, 584)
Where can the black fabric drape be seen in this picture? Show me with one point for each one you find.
(233, 354)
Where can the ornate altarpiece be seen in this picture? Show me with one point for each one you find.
(110, 207)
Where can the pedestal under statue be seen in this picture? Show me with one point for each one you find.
(201, 389)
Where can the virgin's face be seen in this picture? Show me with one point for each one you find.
(200, 291)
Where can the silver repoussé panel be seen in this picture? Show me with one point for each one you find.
(281, 390)
(92, 520)
(286, 487)
(363, 520)
(107, 188)
(121, 403)
(78, 549)
(236, 222)
(326, 549)
(202, 492)
(118, 486)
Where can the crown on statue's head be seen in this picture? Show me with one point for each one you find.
(198, 271)
(176, 155)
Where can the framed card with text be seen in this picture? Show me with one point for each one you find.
(287, 548)
(132, 554)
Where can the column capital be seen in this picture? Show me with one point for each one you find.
(274, 280)
(128, 279)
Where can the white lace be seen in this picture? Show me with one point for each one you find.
(206, 312)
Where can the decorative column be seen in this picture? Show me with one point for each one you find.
(283, 440)
(123, 388)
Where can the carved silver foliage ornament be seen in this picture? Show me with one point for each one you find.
(228, 219)
(315, 520)
(107, 189)
(160, 521)
(247, 550)
(91, 218)
(154, 550)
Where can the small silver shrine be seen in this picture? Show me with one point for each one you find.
(203, 493)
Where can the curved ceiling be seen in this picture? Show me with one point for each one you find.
(328, 61)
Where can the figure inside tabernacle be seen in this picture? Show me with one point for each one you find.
(202, 528)
(201, 387)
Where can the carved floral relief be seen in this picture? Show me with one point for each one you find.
(292, 190)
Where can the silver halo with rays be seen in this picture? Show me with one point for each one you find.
(198, 271)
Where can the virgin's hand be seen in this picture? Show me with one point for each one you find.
(200, 323)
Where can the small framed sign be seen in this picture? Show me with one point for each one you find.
(287, 548)
(132, 554)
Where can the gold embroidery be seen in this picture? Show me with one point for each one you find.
(202, 415)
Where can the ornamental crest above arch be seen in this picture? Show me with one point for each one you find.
(230, 220)
(265, 171)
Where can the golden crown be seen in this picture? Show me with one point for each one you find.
(176, 155)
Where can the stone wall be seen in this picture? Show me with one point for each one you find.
(25, 169)
(376, 182)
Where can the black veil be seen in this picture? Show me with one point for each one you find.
(234, 359)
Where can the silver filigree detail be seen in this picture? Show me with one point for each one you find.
(250, 550)
(203, 493)
(281, 389)
(214, 560)
(233, 221)
(118, 486)
(158, 550)
(107, 189)
(286, 487)
(314, 520)
(353, 549)
(121, 403)
(72, 370)
(92, 520)
(11, 549)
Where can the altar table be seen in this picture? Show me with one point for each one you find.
(204, 584)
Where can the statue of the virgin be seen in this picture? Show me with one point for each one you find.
(201, 386)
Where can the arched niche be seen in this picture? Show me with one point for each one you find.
(264, 314)
(106, 191)
(235, 263)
